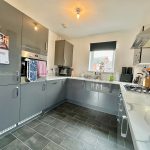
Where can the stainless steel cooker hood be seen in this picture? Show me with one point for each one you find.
(142, 39)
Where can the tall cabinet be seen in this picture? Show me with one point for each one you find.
(11, 25)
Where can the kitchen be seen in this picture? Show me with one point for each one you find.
(68, 101)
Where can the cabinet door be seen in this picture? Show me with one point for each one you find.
(75, 91)
(10, 25)
(68, 54)
(32, 99)
(54, 93)
(61, 91)
(44, 40)
(137, 55)
(91, 94)
(9, 105)
(32, 40)
(108, 103)
(145, 57)
(59, 52)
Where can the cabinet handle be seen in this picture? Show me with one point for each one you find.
(44, 87)
(83, 84)
(120, 107)
(54, 83)
(46, 46)
(124, 135)
(17, 91)
(17, 76)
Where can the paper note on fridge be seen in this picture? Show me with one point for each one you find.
(4, 56)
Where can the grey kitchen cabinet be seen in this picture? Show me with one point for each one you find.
(32, 99)
(102, 96)
(75, 91)
(11, 26)
(123, 128)
(32, 40)
(141, 56)
(9, 106)
(91, 93)
(108, 103)
(55, 93)
(99, 96)
(63, 53)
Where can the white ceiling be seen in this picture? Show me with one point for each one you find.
(97, 16)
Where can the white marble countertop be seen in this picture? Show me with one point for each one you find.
(137, 107)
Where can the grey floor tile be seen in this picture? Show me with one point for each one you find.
(100, 132)
(113, 136)
(56, 136)
(70, 120)
(93, 121)
(72, 144)
(24, 133)
(71, 130)
(47, 119)
(88, 137)
(43, 128)
(89, 147)
(6, 140)
(108, 145)
(33, 123)
(57, 115)
(83, 126)
(53, 146)
(16, 145)
(37, 142)
(104, 145)
(68, 127)
(81, 117)
(58, 124)
(71, 114)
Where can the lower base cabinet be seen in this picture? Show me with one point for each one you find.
(75, 91)
(9, 106)
(55, 93)
(99, 96)
(32, 99)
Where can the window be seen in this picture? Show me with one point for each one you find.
(102, 61)
(102, 57)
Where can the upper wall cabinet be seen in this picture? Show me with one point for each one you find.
(63, 53)
(10, 28)
(34, 36)
(141, 56)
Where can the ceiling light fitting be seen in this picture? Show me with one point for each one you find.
(35, 27)
(78, 10)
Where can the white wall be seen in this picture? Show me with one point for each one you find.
(51, 49)
(124, 55)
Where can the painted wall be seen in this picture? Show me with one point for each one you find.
(51, 49)
(124, 55)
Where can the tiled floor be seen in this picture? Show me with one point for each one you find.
(67, 127)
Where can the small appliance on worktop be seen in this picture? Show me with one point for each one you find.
(63, 71)
(127, 74)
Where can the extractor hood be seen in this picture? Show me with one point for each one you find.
(142, 39)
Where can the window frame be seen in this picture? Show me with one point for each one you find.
(113, 65)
